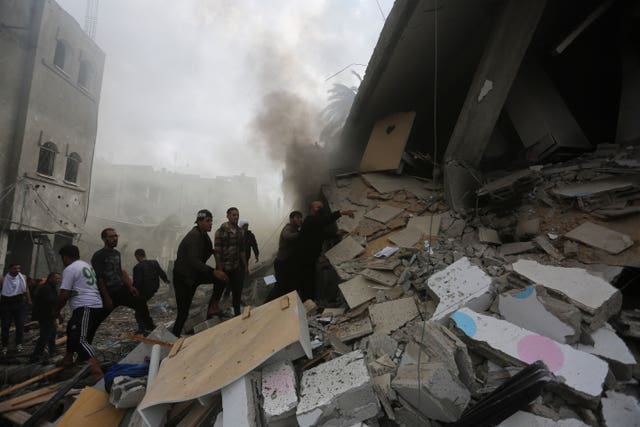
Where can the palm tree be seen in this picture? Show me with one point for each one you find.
(335, 114)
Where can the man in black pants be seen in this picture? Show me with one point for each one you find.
(147, 274)
(312, 235)
(107, 265)
(283, 264)
(230, 256)
(190, 270)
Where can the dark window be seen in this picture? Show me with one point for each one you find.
(47, 157)
(84, 76)
(59, 55)
(73, 164)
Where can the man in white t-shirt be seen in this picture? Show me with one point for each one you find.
(80, 287)
(12, 305)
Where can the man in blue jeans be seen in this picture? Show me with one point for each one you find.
(12, 305)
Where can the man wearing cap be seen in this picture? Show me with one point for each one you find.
(191, 270)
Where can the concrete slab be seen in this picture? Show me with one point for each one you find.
(346, 250)
(353, 329)
(280, 398)
(429, 225)
(127, 392)
(391, 315)
(384, 183)
(439, 395)
(406, 238)
(456, 286)
(546, 246)
(239, 404)
(358, 290)
(386, 278)
(520, 344)
(384, 264)
(600, 237)
(383, 213)
(515, 248)
(524, 309)
(338, 393)
(609, 346)
(620, 410)
(488, 235)
(588, 292)
(527, 419)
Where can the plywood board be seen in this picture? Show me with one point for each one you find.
(387, 142)
(345, 250)
(218, 356)
(429, 225)
(357, 291)
(600, 237)
(92, 408)
(526, 346)
(383, 213)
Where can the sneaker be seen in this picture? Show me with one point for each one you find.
(19, 348)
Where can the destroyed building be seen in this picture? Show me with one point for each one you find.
(508, 300)
(49, 96)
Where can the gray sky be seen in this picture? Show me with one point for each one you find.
(183, 79)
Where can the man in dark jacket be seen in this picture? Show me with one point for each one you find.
(312, 235)
(44, 311)
(147, 274)
(250, 241)
(190, 270)
(283, 265)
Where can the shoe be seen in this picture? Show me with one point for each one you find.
(19, 348)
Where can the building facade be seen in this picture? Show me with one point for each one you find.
(51, 76)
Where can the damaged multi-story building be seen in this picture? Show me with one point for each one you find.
(49, 96)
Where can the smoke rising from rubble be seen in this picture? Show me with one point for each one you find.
(286, 126)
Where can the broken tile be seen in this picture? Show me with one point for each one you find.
(383, 213)
(524, 309)
(620, 410)
(337, 393)
(346, 250)
(488, 235)
(456, 228)
(429, 225)
(546, 246)
(515, 248)
(600, 237)
(456, 286)
(353, 329)
(563, 360)
(406, 238)
(357, 291)
(386, 278)
(588, 292)
(609, 346)
(389, 316)
(386, 264)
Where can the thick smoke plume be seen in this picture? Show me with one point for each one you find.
(287, 127)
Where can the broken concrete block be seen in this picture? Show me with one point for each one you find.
(527, 228)
(546, 246)
(386, 278)
(609, 346)
(310, 306)
(353, 329)
(456, 228)
(600, 237)
(382, 365)
(590, 293)
(500, 338)
(438, 395)
(332, 312)
(383, 213)
(524, 309)
(527, 419)
(459, 285)
(406, 238)
(428, 225)
(127, 392)
(620, 410)
(357, 291)
(337, 393)
(378, 345)
(240, 407)
(279, 394)
(515, 248)
(389, 316)
(346, 250)
(570, 248)
(488, 235)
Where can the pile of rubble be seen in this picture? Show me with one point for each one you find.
(440, 317)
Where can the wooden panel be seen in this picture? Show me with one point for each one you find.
(218, 356)
(386, 143)
(92, 408)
